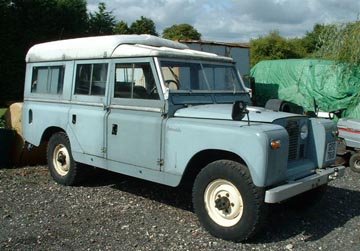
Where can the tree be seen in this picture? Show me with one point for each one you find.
(181, 32)
(273, 46)
(143, 26)
(340, 42)
(73, 18)
(122, 28)
(25, 23)
(101, 22)
(311, 41)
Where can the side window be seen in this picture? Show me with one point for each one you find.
(135, 81)
(91, 79)
(48, 79)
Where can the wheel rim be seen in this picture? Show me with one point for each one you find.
(223, 203)
(357, 164)
(61, 160)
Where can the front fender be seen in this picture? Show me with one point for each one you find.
(186, 137)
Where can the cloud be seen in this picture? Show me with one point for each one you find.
(236, 20)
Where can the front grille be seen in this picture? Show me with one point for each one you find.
(293, 130)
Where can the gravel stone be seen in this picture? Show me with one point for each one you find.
(115, 212)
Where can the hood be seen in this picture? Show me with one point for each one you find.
(223, 112)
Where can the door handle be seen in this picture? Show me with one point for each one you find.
(73, 120)
(114, 129)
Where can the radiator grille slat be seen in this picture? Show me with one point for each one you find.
(293, 130)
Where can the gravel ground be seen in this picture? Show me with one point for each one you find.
(114, 212)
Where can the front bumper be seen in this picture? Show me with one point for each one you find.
(291, 189)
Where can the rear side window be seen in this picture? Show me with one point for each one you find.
(91, 79)
(48, 79)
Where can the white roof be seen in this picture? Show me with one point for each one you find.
(113, 47)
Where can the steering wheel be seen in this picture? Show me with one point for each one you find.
(170, 82)
(153, 90)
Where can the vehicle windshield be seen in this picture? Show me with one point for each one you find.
(200, 76)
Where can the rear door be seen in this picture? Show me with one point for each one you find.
(87, 114)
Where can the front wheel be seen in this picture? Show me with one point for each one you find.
(354, 162)
(227, 202)
(61, 164)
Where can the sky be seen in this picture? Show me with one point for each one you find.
(236, 20)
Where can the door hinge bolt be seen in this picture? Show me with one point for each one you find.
(160, 162)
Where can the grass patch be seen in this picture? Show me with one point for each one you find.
(2, 120)
(2, 111)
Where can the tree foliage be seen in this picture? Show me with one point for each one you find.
(122, 28)
(143, 26)
(25, 23)
(340, 42)
(311, 41)
(181, 32)
(101, 22)
(274, 46)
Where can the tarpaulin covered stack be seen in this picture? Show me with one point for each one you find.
(334, 86)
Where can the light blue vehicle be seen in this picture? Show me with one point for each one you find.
(153, 109)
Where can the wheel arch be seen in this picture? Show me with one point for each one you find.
(203, 158)
(49, 132)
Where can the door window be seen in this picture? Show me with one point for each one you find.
(91, 79)
(135, 81)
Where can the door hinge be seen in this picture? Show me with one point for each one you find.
(103, 150)
(160, 162)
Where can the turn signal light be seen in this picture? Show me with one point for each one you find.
(275, 144)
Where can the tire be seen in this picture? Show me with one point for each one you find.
(226, 201)
(354, 162)
(308, 199)
(277, 105)
(62, 166)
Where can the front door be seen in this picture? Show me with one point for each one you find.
(135, 115)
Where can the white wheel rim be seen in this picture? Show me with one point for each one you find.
(357, 164)
(225, 193)
(61, 160)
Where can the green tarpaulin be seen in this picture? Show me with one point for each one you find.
(333, 85)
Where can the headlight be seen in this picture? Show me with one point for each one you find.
(304, 132)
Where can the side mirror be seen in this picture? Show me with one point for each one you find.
(239, 110)
(253, 90)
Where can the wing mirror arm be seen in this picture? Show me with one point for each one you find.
(239, 111)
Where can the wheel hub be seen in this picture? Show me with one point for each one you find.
(222, 203)
(61, 158)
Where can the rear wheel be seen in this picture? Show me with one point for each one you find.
(62, 166)
(354, 162)
(226, 201)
